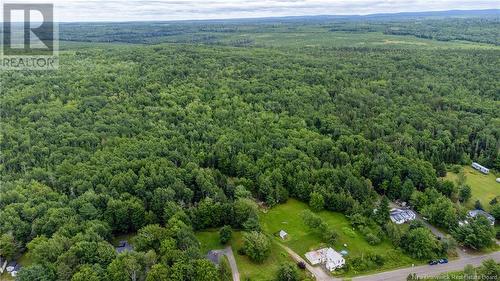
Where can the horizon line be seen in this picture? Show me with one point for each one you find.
(360, 15)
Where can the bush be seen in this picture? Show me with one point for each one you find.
(394, 232)
(301, 265)
(225, 234)
(372, 239)
(330, 236)
(464, 193)
(495, 211)
(256, 246)
(367, 262)
(456, 169)
(478, 205)
(287, 272)
(358, 220)
(317, 202)
(349, 232)
(477, 234)
(420, 243)
(311, 220)
(252, 224)
(241, 251)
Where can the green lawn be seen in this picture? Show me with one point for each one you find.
(25, 260)
(484, 187)
(209, 240)
(6, 277)
(301, 240)
(265, 271)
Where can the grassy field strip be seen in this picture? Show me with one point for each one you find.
(484, 187)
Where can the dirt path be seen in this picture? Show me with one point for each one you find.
(400, 274)
(318, 273)
(228, 252)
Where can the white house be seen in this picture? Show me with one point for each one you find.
(400, 216)
(314, 257)
(480, 168)
(327, 256)
(13, 268)
(283, 234)
(498, 180)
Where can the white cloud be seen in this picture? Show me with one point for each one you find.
(138, 10)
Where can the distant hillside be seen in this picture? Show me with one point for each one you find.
(320, 18)
(382, 16)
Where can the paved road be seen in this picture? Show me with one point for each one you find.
(228, 252)
(428, 270)
(400, 274)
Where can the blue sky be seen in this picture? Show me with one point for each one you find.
(128, 10)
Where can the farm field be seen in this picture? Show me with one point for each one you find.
(484, 187)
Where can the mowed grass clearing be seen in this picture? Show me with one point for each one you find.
(310, 36)
(248, 269)
(484, 187)
(301, 239)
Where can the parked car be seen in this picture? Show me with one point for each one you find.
(433, 262)
(443, 261)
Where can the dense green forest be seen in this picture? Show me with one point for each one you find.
(482, 29)
(469, 29)
(164, 139)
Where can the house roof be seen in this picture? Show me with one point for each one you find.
(402, 214)
(327, 254)
(474, 213)
(213, 256)
(332, 255)
(124, 246)
(313, 255)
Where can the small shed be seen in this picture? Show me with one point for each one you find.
(283, 234)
